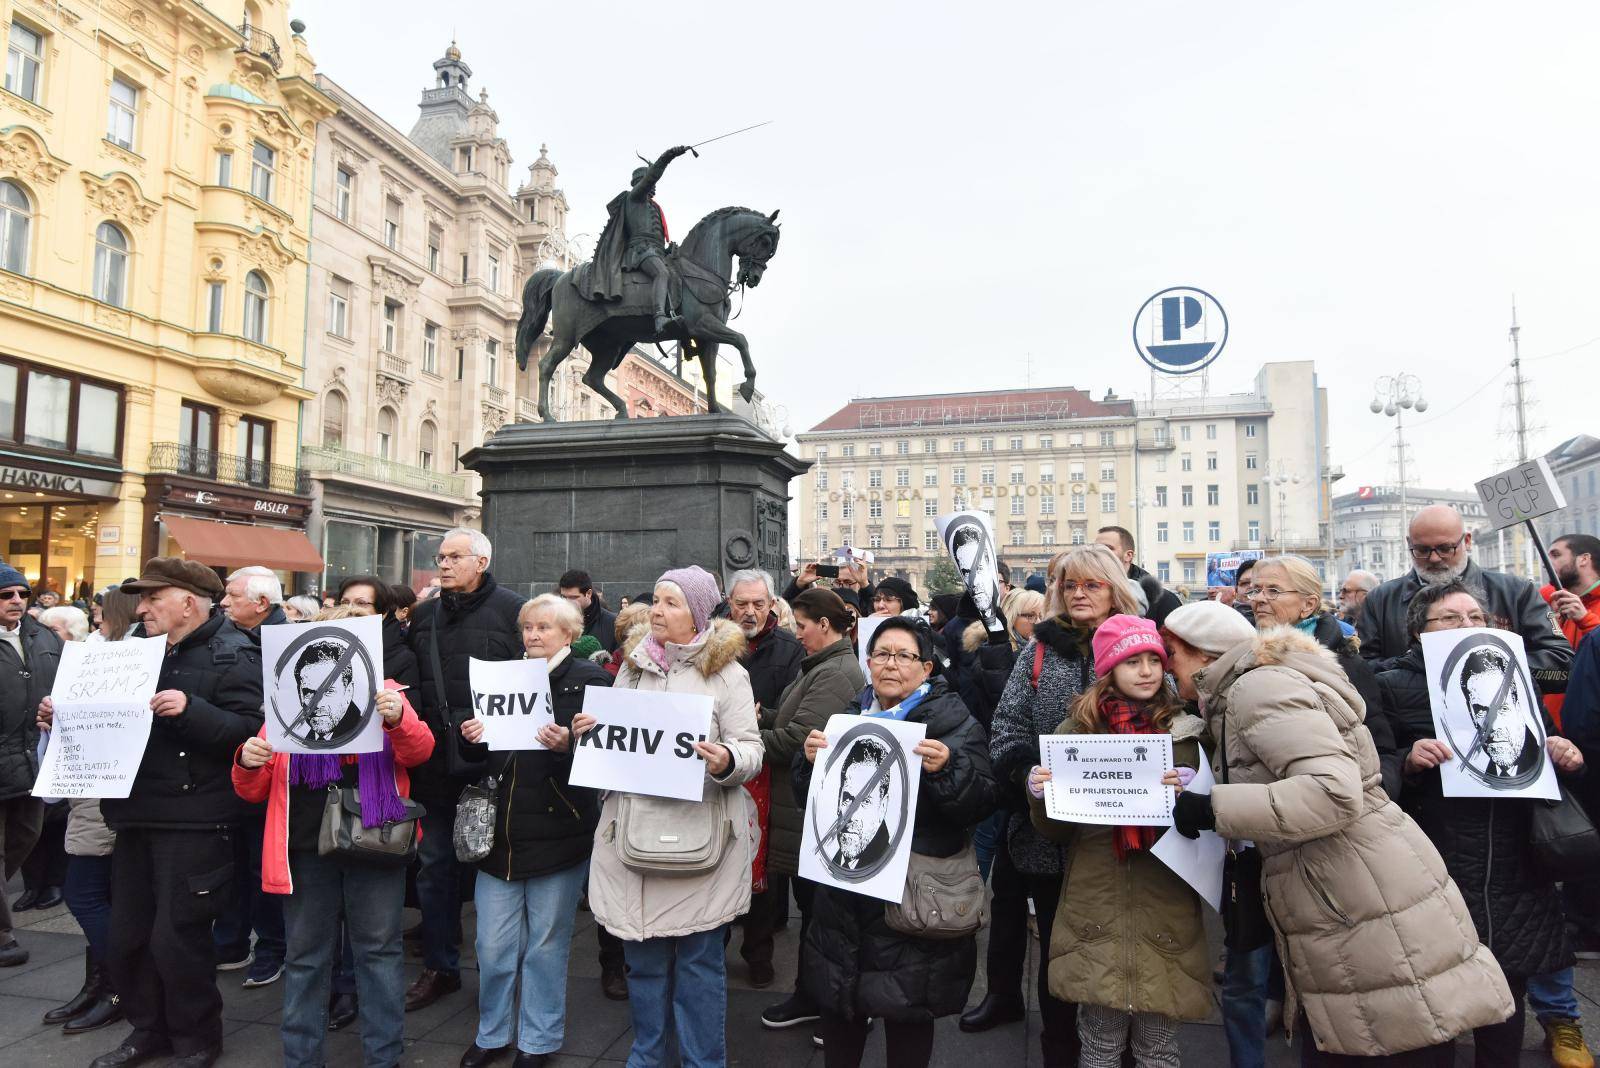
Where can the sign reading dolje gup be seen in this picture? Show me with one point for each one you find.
(1180, 330)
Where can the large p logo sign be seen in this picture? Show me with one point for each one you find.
(1180, 330)
(1174, 309)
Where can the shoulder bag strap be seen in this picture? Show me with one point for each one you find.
(438, 668)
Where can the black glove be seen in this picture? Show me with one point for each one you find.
(1192, 814)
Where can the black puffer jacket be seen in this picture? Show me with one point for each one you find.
(1347, 649)
(1161, 600)
(989, 665)
(600, 624)
(399, 662)
(186, 778)
(773, 661)
(854, 964)
(480, 624)
(1516, 909)
(542, 824)
(23, 684)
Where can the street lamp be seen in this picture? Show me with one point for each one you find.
(1393, 396)
(1282, 480)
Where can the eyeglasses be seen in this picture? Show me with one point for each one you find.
(1028, 615)
(350, 602)
(1266, 593)
(1456, 619)
(885, 657)
(1091, 586)
(13, 595)
(1422, 552)
(452, 558)
(1348, 592)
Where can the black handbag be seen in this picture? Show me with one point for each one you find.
(393, 842)
(1563, 840)
(1244, 911)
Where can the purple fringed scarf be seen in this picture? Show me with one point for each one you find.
(380, 801)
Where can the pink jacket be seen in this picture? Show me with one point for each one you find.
(412, 743)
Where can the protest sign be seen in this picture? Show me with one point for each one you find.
(102, 717)
(1486, 710)
(1197, 861)
(643, 742)
(861, 806)
(1222, 569)
(321, 682)
(866, 627)
(1525, 492)
(1108, 778)
(969, 539)
(511, 698)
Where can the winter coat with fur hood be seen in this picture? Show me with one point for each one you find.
(635, 906)
(1377, 945)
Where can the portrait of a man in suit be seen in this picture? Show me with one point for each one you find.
(863, 839)
(1510, 745)
(324, 678)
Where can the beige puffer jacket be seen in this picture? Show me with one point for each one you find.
(87, 833)
(633, 906)
(1377, 945)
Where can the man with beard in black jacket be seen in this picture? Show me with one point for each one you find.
(599, 624)
(473, 616)
(173, 865)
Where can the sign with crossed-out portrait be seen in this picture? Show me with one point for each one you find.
(1487, 709)
(321, 683)
(861, 806)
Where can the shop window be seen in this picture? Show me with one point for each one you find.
(110, 265)
(16, 219)
(427, 442)
(255, 449)
(197, 439)
(333, 411)
(58, 410)
(255, 308)
(386, 424)
(350, 549)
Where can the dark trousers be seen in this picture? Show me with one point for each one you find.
(805, 896)
(47, 863)
(1501, 1043)
(167, 888)
(906, 1045)
(1008, 927)
(251, 908)
(759, 923)
(440, 880)
(88, 894)
(1059, 1019)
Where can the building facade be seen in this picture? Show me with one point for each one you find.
(1369, 527)
(1576, 465)
(420, 254)
(1218, 474)
(155, 211)
(1049, 466)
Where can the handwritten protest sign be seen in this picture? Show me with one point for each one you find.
(321, 682)
(1525, 492)
(1486, 709)
(1197, 861)
(861, 806)
(643, 742)
(1108, 778)
(102, 717)
(511, 698)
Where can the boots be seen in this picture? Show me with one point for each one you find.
(84, 998)
(105, 1009)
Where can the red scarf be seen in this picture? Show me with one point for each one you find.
(1125, 717)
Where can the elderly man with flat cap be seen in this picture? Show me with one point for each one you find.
(173, 864)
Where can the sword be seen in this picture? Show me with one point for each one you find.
(730, 133)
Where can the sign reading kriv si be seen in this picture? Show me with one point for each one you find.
(1108, 778)
(642, 742)
(1527, 491)
(511, 698)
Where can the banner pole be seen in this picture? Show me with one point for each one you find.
(1550, 569)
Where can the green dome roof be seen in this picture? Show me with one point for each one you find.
(234, 92)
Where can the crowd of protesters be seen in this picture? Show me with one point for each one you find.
(1366, 914)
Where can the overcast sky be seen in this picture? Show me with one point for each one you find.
(980, 196)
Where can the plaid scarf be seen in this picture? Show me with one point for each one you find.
(1124, 717)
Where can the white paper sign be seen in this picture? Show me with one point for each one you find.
(321, 681)
(1486, 708)
(643, 742)
(1527, 491)
(102, 717)
(862, 805)
(1197, 861)
(866, 627)
(1108, 778)
(511, 698)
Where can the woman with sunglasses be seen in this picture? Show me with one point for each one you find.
(1087, 586)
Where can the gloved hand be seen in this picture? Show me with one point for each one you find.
(1191, 814)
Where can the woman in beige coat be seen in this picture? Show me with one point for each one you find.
(1380, 955)
(671, 924)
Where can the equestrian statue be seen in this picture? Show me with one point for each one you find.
(639, 288)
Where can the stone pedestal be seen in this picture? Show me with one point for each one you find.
(627, 500)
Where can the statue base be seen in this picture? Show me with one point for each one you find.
(626, 500)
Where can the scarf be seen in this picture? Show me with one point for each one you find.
(380, 801)
(762, 635)
(901, 710)
(657, 652)
(1124, 717)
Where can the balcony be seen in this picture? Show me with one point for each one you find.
(258, 42)
(171, 458)
(390, 364)
(527, 410)
(1151, 443)
(495, 395)
(332, 460)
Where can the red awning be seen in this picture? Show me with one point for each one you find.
(240, 545)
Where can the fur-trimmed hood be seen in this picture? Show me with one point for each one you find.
(720, 646)
(1283, 647)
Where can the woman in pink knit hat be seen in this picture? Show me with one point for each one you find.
(1131, 948)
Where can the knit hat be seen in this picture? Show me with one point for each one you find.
(1036, 583)
(947, 603)
(586, 646)
(10, 576)
(1210, 626)
(895, 586)
(1120, 637)
(699, 592)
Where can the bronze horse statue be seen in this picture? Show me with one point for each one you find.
(702, 280)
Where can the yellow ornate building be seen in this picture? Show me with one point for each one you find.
(155, 203)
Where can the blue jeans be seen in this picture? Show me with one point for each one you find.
(88, 894)
(989, 835)
(525, 928)
(678, 983)
(439, 877)
(372, 898)
(1550, 996)
(1244, 1006)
